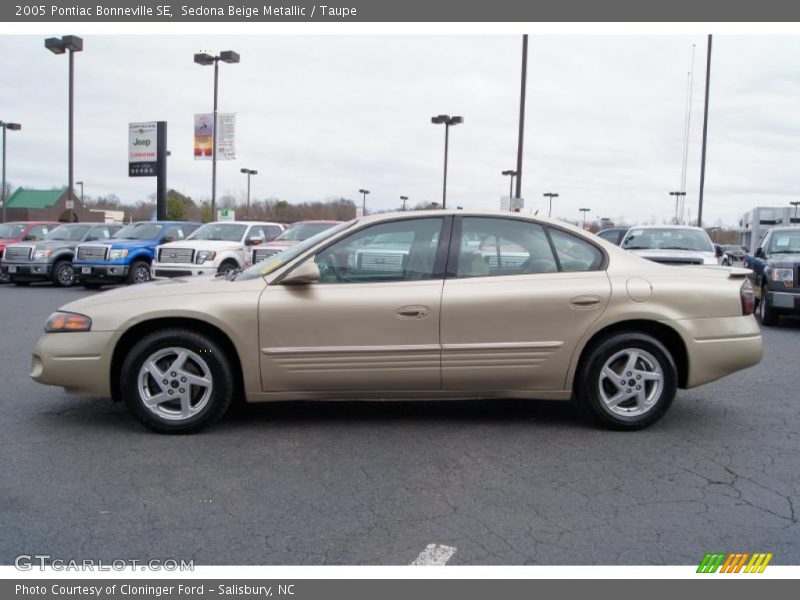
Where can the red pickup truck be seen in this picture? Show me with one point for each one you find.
(23, 231)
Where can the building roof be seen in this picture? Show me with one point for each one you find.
(34, 198)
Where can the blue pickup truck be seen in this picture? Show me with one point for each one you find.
(126, 257)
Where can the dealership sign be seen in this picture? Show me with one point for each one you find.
(142, 149)
(204, 136)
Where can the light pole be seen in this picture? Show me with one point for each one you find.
(511, 174)
(58, 46)
(364, 193)
(794, 203)
(248, 172)
(550, 195)
(447, 121)
(83, 206)
(584, 211)
(404, 199)
(205, 59)
(12, 127)
(678, 196)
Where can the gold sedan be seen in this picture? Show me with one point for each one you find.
(408, 306)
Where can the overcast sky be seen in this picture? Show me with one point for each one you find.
(322, 116)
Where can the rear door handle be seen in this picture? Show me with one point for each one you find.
(584, 301)
(413, 311)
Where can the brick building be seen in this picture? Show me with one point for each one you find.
(47, 205)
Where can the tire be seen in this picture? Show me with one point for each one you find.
(138, 273)
(614, 402)
(177, 406)
(227, 268)
(62, 274)
(766, 314)
(91, 285)
(21, 283)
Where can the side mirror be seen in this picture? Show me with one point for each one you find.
(167, 240)
(306, 273)
(253, 241)
(759, 252)
(28, 238)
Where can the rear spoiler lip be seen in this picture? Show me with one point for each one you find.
(733, 272)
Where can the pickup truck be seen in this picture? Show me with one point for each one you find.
(294, 234)
(215, 248)
(126, 257)
(775, 274)
(51, 257)
(22, 231)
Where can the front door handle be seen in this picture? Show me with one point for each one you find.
(584, 301)
(413, 311)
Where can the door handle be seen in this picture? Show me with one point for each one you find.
(413, 311)
(584, 301)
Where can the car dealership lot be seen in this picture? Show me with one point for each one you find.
(507, 482)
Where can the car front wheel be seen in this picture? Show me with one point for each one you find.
(63, 274)
(627, 381)
(139, 273)
(177, 381)
(766, 313)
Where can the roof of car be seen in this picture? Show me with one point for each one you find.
(667, 227)
(785, 228)
(243, 223)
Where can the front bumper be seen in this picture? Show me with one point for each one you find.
(719, 346)
(80, 362)
(27, 271)
(170, 270)
(784, 301)
(100, 272)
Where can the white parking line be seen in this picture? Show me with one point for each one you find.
(434, 554)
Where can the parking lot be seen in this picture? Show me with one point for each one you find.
(506, 482)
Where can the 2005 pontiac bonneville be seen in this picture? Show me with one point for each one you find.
(410, 306)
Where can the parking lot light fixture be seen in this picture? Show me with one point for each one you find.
(584, 211)
(794, 203)
(206, 59)
(73, 44)
(550, 195)
(404, 199)
(12, 127)
(248, 172)
(363, 193)
(511, 174)
(678, 196)
(447, 121)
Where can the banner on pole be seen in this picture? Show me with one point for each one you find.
(204, 135)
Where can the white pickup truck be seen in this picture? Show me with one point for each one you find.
(218, 247)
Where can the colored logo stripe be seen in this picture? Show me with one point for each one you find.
(734, 562)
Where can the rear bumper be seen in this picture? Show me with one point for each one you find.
(80, 362)
(784, 301)
(717, 347)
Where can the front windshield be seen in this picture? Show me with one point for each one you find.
(71, 233)
(139, 231)
(302, 231)
(668, 238)
(11, 230)
(265, 267)
(785, 242)
(220, 232)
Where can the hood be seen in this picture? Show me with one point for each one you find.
(204, 245)
(677, 257)
(115, 243)
(54, 244)
(780, 260)
(282, 244)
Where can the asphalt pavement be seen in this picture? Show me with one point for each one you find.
(501, 482)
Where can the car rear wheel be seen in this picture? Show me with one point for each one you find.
(62, 274)
(627, 381)
(139, 273)
(177, 381)
(766, 314)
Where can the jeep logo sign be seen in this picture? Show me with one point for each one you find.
(142, 144)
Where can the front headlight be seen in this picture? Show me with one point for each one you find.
(39, 254)
(204, 255)
(117, 254)
(784, 275)
(60, 322)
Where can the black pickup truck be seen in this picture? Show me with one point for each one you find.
(775, 274)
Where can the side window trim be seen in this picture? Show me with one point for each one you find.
(553, 248)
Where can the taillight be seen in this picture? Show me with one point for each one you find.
(748, 298)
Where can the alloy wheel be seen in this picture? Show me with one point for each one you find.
(631, 382)
(175, 383)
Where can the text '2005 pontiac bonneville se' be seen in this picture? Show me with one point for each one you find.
(415, 305)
